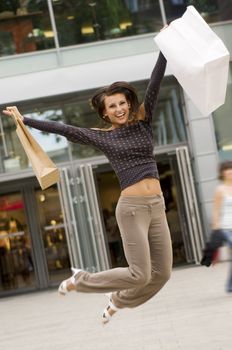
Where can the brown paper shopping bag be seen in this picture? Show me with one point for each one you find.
(45, 170)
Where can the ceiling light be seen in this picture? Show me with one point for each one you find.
(227, 147)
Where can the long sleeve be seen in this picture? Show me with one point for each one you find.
(154, 86)
(74, 134)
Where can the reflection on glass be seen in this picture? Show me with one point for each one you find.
(223, 125)
(174, 8)
(53, 233)
(13, 156)
(24, 27)
(86, 21)
(54, 145)
(79, 112)
(16, 262)
(173, 208)
(210, 10)
(109, 193)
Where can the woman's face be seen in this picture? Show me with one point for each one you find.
(117, 109)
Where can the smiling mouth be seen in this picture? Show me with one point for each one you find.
(120, 116)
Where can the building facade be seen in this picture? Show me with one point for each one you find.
(53, 55)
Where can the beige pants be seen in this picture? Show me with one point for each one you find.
(147, 246)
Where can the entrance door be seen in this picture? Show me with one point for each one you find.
(17, 268)
(109, 192)
(33, 246)
(175, 211)
(181, 207)
(89, 195)
(194, 240)
(83, 220)
(52, 234)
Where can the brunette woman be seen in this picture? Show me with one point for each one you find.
(140, 212)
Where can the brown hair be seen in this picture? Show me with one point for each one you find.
(227, 164)
(98, 100)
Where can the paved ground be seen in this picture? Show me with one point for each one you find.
(192, 312)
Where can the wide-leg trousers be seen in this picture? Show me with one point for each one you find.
(148, 250)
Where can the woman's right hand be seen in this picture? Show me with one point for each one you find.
(12, 111)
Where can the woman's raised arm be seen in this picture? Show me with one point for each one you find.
(154, 87)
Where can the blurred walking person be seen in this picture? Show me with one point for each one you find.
(222, 208)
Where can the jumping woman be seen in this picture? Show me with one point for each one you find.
(140, 212)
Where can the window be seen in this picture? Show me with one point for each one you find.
(210, 10)
(87, 21)
(24, 27)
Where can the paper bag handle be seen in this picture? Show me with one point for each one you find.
(17, 120)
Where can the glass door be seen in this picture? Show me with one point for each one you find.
(109, 193)
(174, 210)
(33, 246)
(194, 241)
(86, 236)
(17, 268)
(182, 207)
(53, 234)
(108, 190)
(91, 204)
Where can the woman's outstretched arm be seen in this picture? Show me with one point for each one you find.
(72, 133)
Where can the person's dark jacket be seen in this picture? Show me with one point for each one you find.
(216, 241)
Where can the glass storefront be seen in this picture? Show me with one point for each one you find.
(109, 193)
(53, 233)
(33, 247)
(223, 124)
(211, 10)
(25, 26)
(43, 233)
(16, 260)
(75, 109)
(86, 21)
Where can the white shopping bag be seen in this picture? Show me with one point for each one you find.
(197, 58)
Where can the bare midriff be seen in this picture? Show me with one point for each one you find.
(145, 187)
